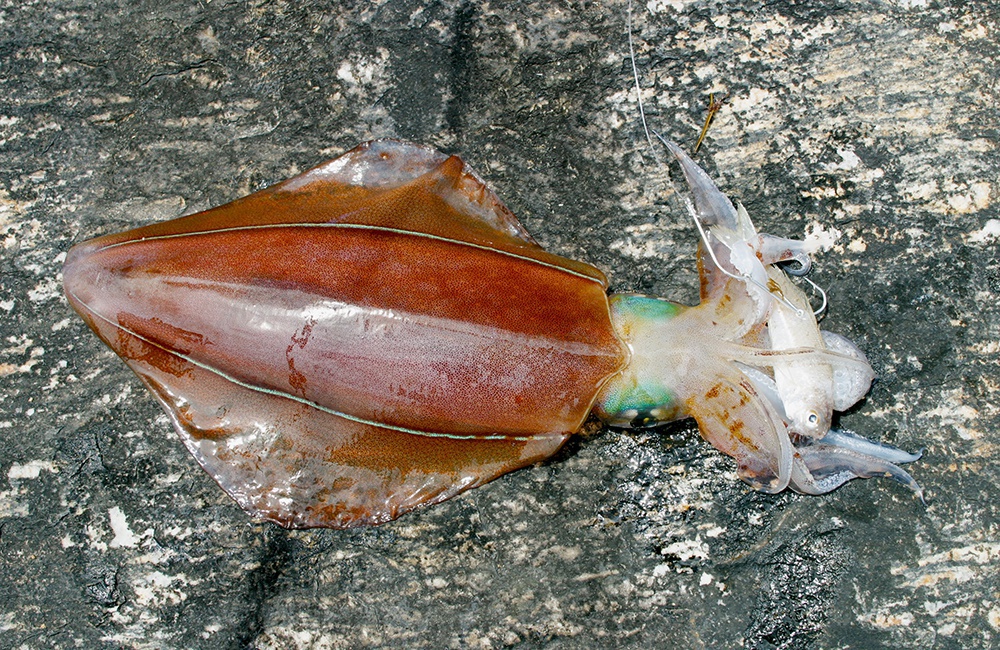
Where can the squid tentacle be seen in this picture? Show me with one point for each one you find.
(735, 419)
(820, 468)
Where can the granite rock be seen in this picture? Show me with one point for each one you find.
(870, 127)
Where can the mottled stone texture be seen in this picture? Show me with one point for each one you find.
(870, 126)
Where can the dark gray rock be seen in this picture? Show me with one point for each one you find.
(872, 126)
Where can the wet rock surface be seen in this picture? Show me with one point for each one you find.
(869, 127)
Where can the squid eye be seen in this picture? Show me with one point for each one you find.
(644, 418)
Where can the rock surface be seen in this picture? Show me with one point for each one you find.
(871, 127)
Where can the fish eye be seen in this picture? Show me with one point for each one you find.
(813, 418)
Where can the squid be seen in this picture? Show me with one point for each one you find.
(380, 333)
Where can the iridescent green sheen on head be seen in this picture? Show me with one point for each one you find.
(636, 405)
(639, 396)
(630, 307)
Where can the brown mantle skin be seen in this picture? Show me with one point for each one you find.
(373, 335)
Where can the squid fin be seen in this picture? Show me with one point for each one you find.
(298, 465)
(384, 184)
